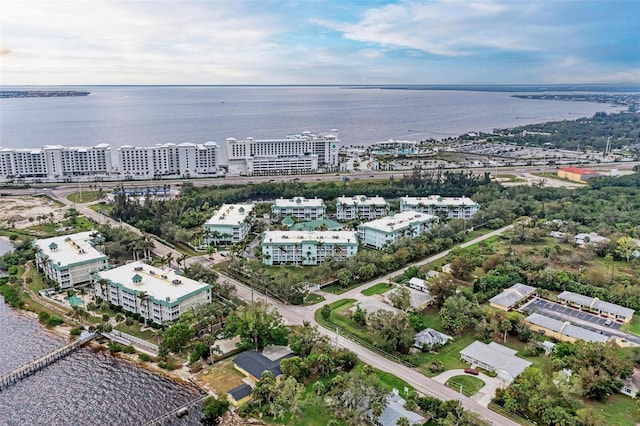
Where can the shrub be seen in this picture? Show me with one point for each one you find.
(53, 321)
(76, 331)
(166, 366)
(105, 317)
(144, 357)
(436, 366)
(129, 350)
(129, 321)
(43, 317)
(115, 347)
(326, 312)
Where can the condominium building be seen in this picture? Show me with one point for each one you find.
(185, 159)
(301, 153)
(387, 230)
(361, 207)
(449, 207)
(229, 224)
(55, 162)
(299, 207)
(157, 294)
(307, 247)
(70, 260)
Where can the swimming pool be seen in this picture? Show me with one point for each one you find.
(75, 301)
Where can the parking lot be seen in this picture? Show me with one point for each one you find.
(573, 315)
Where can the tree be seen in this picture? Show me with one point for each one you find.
(354, 393)
(326, 312)
(403, 421)
(392, 331)
(625, 246)
(213, 408)
(441, 287)
(400, 297)
(144, 298)
(258, 325)
(457, 314)
(462, 267)
(177, 337)
(265, 390)
(303, 339)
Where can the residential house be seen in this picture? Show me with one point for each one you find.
(512, 296)
(430, 338)
(589, 239)
(394, 410)
(495, 357)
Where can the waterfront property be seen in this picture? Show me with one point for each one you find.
(55, 162)
(307, 247)
(252, 364)
(447, 207)
(229, 224)
(576, 174)
(361, 207)
(156, 294)
(387, 230)
(185, 159)
(563, 331)
(295, 154)
(495, 357)
(596, 306)
(299, 207)
(70, 260)
(512, 296)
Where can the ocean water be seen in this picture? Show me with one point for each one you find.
(85, 388)
(149, 115)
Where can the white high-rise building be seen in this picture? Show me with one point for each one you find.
(295, 154)
(299, 207)
(387, 230)
(307, 247)
(361, 207)
(185, 159)
(55, 162)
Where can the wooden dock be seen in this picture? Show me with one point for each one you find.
(40, 363)
(178, 412)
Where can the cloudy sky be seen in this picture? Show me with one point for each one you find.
(319, 42)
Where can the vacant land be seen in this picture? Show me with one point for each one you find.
(220, 377)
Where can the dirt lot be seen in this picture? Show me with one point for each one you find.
(20, 209)
(220, 377)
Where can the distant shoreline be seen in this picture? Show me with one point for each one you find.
(41, 93)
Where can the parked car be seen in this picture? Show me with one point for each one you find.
(471, 371)
(608, 323)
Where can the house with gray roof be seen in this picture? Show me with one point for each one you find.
(512, 296)
(253, 364)
(394, 410)
(429, 338)
(592, 238)
(418, 284)
(495, 357)
(563, 331)
(596, 306)
(418, 300)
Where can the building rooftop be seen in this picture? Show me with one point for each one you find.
(513, 295)
(242, 391)
(398, 221)
(430, 337)
(163, 285)
(497, 356)
(361, 200)
(328, 237)
(596, 304)
(256, 363)
(394, 410)
(578, 170)
(437, 200)
(566, 328)
(70, 249)
(230, 214)
(299, 202)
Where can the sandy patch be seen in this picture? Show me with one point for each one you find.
(20, 209)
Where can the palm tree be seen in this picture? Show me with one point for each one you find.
(144, 297)
(168, 259)
(78, 313)
(103, 288)
(182, 260)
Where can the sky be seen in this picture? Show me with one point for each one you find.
(84, 42)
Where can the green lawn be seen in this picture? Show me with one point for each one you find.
(633, 327)
(449, 355)
(313, 298)
(470, 384)
(377, 289)
(619, 410)
(134, 330)
(87, 197)
(541, 362)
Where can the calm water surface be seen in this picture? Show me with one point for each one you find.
(119, 115)
(85, 388)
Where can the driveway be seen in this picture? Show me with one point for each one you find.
(484, 395)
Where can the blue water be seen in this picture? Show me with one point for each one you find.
(148, 115)
(75, 300)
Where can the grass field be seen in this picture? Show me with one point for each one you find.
(633, 327)
(87, 197)
(619, 410)
(470, 384)
(134, 330)
(377, 289)
(221, 377)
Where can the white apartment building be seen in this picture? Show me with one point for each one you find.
(70, 260)
(307, 247)
(156, 294)
(299, 207)
(387, 230)
(55, 162)
(229, 224)
(361, 207)
(450, 207)
(185, 159)
(301, 153)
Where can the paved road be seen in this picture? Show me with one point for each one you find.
(298, 315)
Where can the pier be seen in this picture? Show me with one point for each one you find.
(40, 363)
(178, 412)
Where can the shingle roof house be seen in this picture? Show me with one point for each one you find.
(495, 357)
(511, 296)
(430, 337)
(254, 364)
(394, 410)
